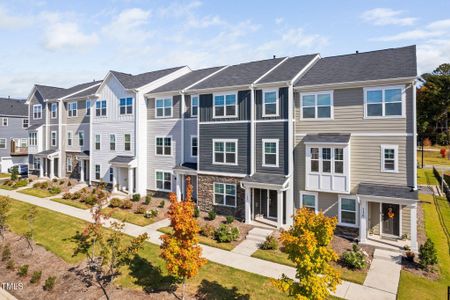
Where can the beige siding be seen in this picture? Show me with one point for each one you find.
(374, 217)
(176, 109)
(406, 220)
(328, 203)
(81, 113)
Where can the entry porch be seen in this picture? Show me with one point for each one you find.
(48, 163)
(123, 173)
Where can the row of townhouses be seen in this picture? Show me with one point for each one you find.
(258, 139)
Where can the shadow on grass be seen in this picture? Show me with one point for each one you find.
(212, 290)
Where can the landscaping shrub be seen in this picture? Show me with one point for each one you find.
(90, 200)
(153, 213)
(427, 254)
(443, 152)
(36, 276)
(140, 210)
(14, 173)
(354, 259)
(136, 197)
(43, 185)
(208, 230)
(271, 243)
(37, 185)
(229, 219)
(21, 183)
(148, 199)
(6, 253)
(23, 271)
(49, 283)
(55, 180)
(76, 196)
(54, 190)
(196, 212)
(69, 183)
(212, 215)
(226, 233)
(162, 204)
(10, 265)
(442, 138)
(115, 202)
(67, 196)
(127, 204)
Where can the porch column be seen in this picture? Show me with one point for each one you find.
(363, 217)
(114, 181)
(81, 163)
(52, 168)
(414, 246)
(178, 187)
(248, 204)
(279, 209)
(130, 181)
(118, 178)
(290, 206)
(41, 167)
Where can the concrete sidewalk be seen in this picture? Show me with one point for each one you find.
(375, 289)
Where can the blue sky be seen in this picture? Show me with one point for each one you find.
(63, 43)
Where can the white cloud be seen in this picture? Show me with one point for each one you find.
(10, 21)
(130, 25)
(177, 9)
(432, 53)
(439, 25)
(409, 35)
(204, 22)
(279, 20)
(293, 41)
(386, 16)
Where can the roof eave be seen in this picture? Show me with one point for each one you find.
(362, 83)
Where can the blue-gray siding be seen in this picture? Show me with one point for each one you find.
(206, 107)
(282, 105)
(272, 130)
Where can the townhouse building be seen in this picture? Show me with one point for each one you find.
(13, 133)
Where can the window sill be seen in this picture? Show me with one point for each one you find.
(348, 225)
(225, 164)
(383, 117)
(224, 205)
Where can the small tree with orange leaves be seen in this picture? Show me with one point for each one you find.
(180, 248)
(307, 244)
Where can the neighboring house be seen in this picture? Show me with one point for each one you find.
(13, 133)
(172, 145)
(118, 152)
(355, 142)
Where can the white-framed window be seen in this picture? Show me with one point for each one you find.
(23, 142)
(112, 142)
(4, 121)
(309, 200)
(225, 105)
(54, 110)
(69, 138)
(194, 105)
(270, 103)
(100, 108)
(73, 109)
(224, 194)
(53, 138)
(88, 107)
(270, 152)
(25, 123)
(36, 163)
(69, 165)
(98, 141)
(32, 138)
(389, 158)
(126, 106)
(37, 111)
(194, 146)
(111, 174)
(317, 105)
(225, 151)
(327, 160)
(127, 139)
(97, 172)
(164, 107)
(81, 138)
(384, 102)
(2, 143)
(163, 146)
(163, 181)
(348, 211)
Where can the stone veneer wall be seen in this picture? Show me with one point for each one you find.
(206, 195)
(75, 174)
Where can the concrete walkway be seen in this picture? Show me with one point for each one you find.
(376, 288)
(254, 238)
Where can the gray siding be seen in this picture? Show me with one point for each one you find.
(187, 112)
(272, 130)
(282, 104)
(176, 113)
(190, 129)
(12, 131)
(208, 132)
(49, 109)
(37, 99)
(206, 107)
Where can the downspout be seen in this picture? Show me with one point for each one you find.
(60, 137)
(252, 131)
(291, 136)
(182, 108)
(91, 138)
(413, 86)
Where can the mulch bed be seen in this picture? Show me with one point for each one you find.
(414, 267)
(154, 204)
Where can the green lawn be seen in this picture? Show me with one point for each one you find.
(7, 187)
(129, 216)
(432, 158)
(147, 271)
(205, 240)
(73, 203)
(426, 177)
(417, 287)
(5, 175)
(37, 192)
(282, 258)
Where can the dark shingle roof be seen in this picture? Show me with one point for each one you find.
(46, 152)
(186, 167)
(266, 178)
(130, 81)
(241, 74)
(122, 159)
(186, 80)
(51, 92)
(391, 191)
(332, 138)
(13, 107)
(85, 93)
(288, 69)
(374, 65)
(34, 127)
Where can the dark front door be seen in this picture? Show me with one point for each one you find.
(391, 218)
(273, 204)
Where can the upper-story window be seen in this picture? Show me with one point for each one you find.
(2, 143)
(270, 103)
(317, 105)
(112, 142)
(270, 152)
(37, 111)
(69, 138)
(81, 138)
(53, 138)
(194, 146)
(327, 160)
(127, 138)
(225, 105)
(32, 137)
(384, 102)
(164, 146)
(4, 121)
(25, 123)
(163, 108)
(100, 108)
(126, 106)
(97, 141)
(389, 158)
(194, 105)
(88, 107)
(54, 110)
(73, 108)
(225, 151)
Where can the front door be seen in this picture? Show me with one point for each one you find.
(391, 219)
(86, 170)
(272, 204)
